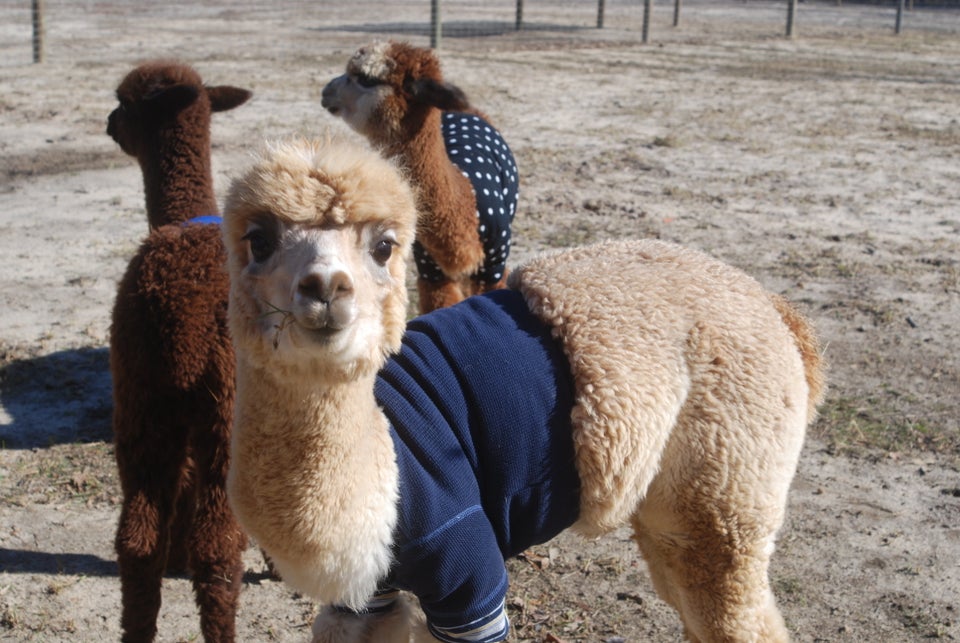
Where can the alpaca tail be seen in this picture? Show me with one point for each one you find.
(814, 366)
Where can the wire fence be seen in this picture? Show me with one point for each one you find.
(34, 31)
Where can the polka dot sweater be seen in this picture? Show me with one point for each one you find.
(482, 155)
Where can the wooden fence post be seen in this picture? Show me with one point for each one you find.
(436, 29)
(898, 26)
(600, 5)
(791, 16)
(676, 13)
(646, 19)
(38, 32)
(519, 15)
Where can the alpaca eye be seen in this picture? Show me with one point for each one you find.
(383, 250)
(261, 243)
(367, 81)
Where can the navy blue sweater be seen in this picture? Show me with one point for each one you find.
(479, 400)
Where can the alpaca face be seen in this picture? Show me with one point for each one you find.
(318, 290)
(362, 94)
(357, 100)
(387, 90)
(318, 236)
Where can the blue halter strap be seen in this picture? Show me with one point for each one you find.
(207, 219)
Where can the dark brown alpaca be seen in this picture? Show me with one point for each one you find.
(171, 359)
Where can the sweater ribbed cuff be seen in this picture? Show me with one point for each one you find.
(486, 629)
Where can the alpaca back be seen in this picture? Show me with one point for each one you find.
(675, 328)
(171, 309)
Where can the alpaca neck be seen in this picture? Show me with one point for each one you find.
(338, 412)
(178, 181)
(314, 480)
(438, 180)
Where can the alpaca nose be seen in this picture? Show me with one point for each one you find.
(325, 286)
(328, 97)
(112, 125)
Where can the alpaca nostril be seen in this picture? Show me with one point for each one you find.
(312, 287)
(341, 284)
(325, 288)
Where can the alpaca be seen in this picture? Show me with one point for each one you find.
(466, 176)
(625, 383)
(172, 361)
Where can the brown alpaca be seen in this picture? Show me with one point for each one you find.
(171, 359)
(464, 173)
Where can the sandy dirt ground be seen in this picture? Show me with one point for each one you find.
(827, 166)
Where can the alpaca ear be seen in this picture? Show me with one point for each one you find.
(172, 98)
(444, 96)
(224, 97)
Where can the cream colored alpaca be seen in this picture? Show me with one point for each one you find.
(690, 388)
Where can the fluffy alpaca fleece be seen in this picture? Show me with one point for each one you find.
(171, 359)
(465, 175)
(687, 390)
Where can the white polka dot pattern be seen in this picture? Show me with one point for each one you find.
(475, 147)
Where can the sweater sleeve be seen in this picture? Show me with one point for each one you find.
(463, 597)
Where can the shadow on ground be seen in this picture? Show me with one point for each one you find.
(59, 398)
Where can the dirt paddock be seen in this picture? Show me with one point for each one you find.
(827, 166)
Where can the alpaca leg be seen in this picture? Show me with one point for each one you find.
(217, 570)
(139, 543)
(149, 474)
(438, 294)
(420, 632)
(711, 567)
(271, 568)
(480, 287)
(178, 556)
(336, 626)
(216, 542)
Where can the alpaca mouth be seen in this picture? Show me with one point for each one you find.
(323, 316)
(322, 333)
(322, 324)
(305, 335)
(321, 328)
(328, 104)
(318, 329)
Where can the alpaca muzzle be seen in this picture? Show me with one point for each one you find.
(324, 299)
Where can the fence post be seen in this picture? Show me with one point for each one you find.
(436, 29)
(519, 15)
(646, 19)
(676, 12)
(896, 29)
(600, 4)
(791, 16)
(38, 37)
